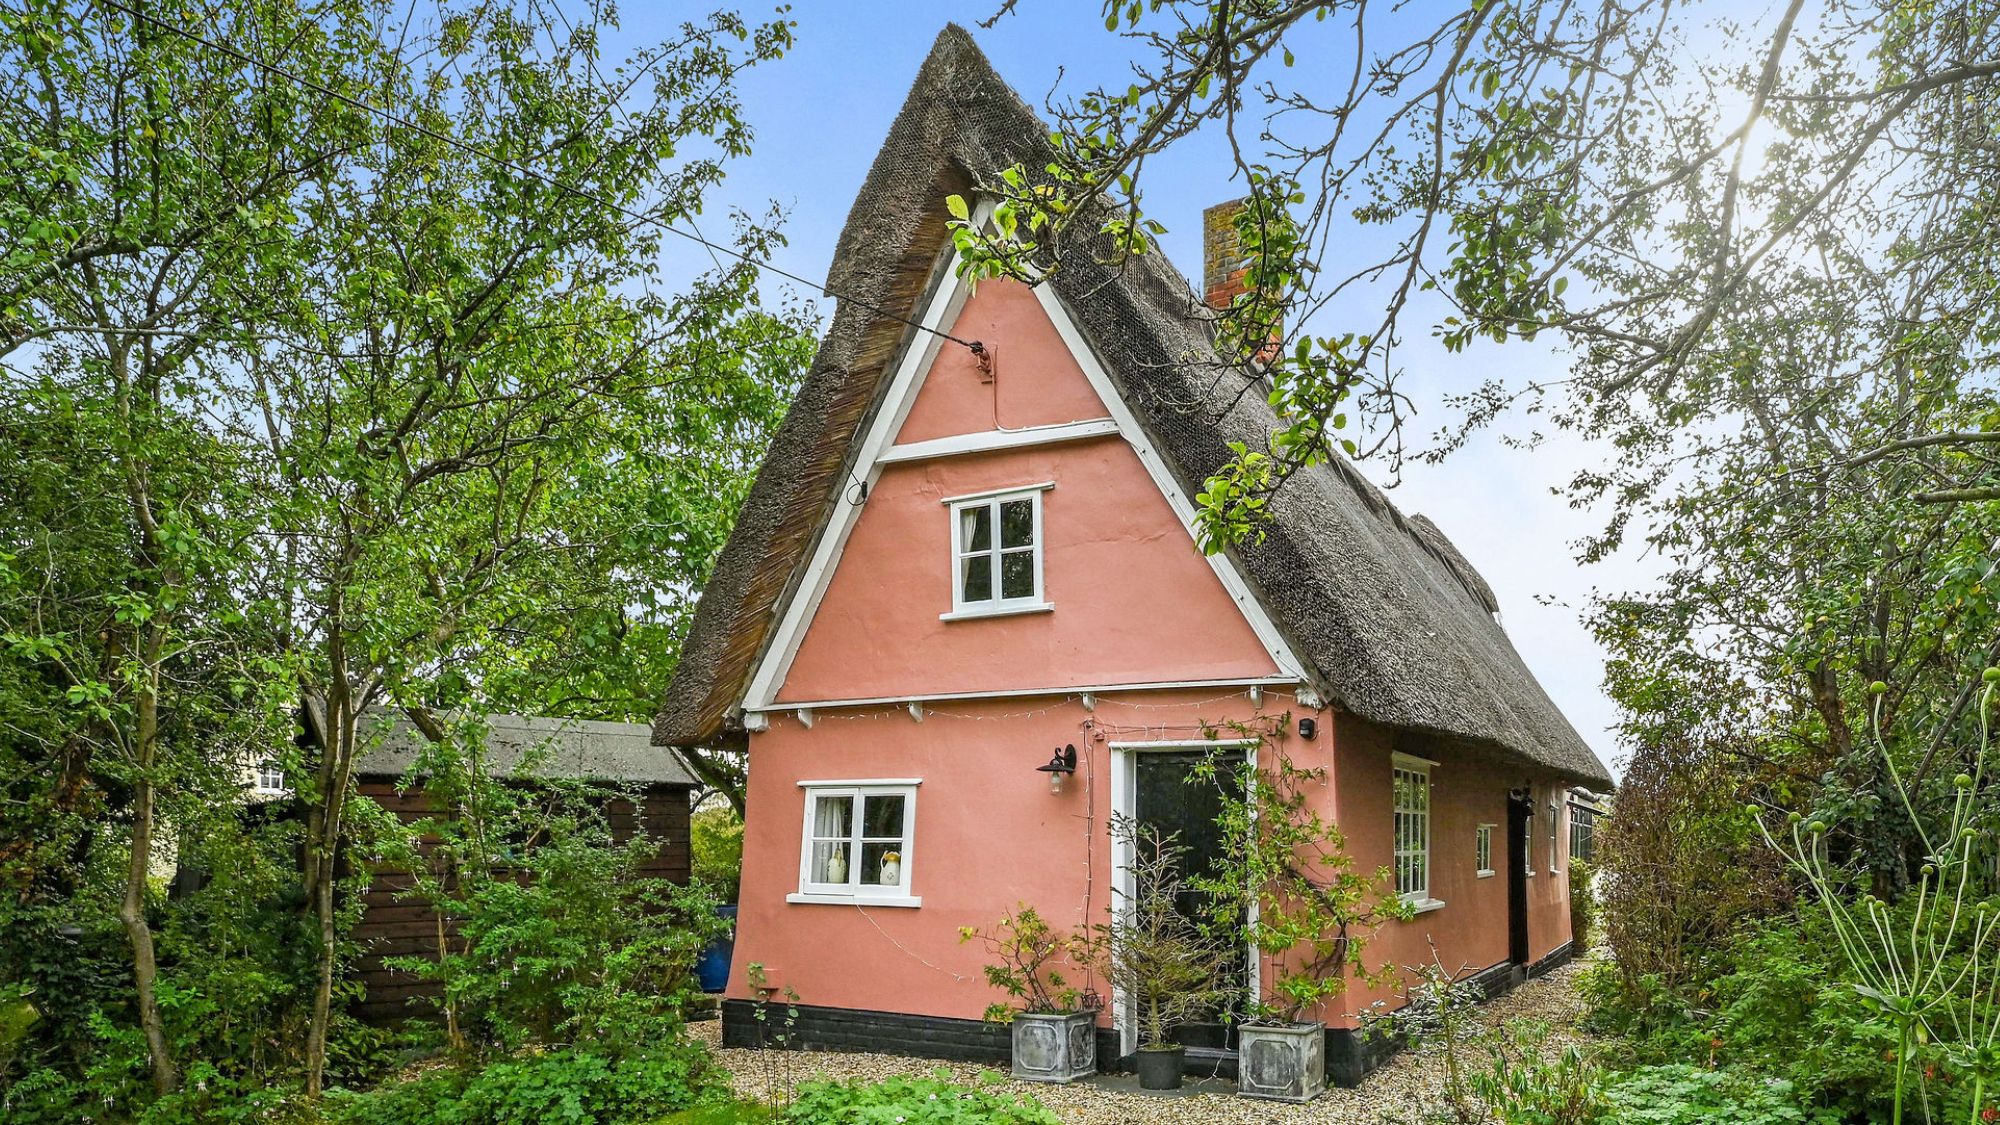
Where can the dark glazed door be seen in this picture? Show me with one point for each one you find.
(1169, 800)
(1518, 819)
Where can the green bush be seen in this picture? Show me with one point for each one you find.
(1679, 1094)
(911, 1101)
(571, 1086)
(1582, 904)
(716, 844)
(574, 945)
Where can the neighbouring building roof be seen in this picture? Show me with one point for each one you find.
(1396, 625)
(577, 749)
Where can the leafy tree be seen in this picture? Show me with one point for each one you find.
(343, 378)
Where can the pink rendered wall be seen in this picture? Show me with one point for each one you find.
(1471, 928)
(988, 835)
(1036, 382)
(1135, 601)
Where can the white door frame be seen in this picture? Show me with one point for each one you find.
(1125, 799)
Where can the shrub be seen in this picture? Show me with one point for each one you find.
(1526, 1083)
(1582, 903)
(1679, 1094)
(912, 1101)
(573, 945)
(716, 851)
(571, 1086)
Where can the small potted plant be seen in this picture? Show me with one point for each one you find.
(1312, 914)
(1159, 957)
(1054, 1032)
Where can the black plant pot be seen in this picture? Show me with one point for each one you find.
(1160, 1068)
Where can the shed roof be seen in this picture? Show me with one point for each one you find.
(1394, 622)
(574, 749)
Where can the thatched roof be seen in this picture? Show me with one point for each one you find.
(1396, 625)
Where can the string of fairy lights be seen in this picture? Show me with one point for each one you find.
(1092, 728)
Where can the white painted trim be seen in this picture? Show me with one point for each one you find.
(1011, 492)
(943, 305)
(1490, 831)
(1421, 767)
(1128, 425)
(1189, 744)
(859, 782)
(854, 891)
(996, 551)
(990, 441)
(977, 610)
(909, 901)
(1426, 905)
(1097, 690)
(1124, 799)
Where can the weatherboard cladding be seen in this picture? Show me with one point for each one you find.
(1395, 623)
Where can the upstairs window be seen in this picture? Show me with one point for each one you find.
(270, 776)
(996, 548)
(1482, 849)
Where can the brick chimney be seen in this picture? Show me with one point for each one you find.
(1222, 259)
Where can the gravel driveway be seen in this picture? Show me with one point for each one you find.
(1398, 1092)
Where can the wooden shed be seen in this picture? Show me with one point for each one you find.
(618, 754)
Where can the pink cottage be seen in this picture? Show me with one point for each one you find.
(951, 565)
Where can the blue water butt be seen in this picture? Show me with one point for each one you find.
(711, 970)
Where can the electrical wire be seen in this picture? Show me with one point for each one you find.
(973, 346)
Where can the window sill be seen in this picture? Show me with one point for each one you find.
(1424, 905)
(1487, 874)
(1007, 609)
(814, 898)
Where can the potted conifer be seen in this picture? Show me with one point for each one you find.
(1313, 913)
(1159, 958)
(1052, 1027)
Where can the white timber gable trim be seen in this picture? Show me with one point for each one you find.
(878, 450)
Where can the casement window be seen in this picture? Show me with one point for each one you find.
(1555, 837)
(1482, 849)
(1582, 833)
(1412, 821)
(270, 776)
(996, 551)
(1527, 840)
(857, 843)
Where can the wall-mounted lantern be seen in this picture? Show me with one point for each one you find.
(1061, 764)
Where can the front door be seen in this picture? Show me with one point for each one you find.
(1169, 799)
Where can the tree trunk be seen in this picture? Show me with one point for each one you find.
(132, 909)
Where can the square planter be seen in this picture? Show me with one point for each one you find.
(1054, 1046)
(1284, 1062)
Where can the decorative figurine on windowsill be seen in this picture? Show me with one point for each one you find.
(892, 869)
(836, 868)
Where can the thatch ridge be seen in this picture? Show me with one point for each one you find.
(1395, 624)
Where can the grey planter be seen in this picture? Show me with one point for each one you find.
(1054, 1046)
(1284, 1062)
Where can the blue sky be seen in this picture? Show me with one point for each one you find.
(821, 113)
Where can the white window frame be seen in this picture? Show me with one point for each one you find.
(1419, 768)
(265, 769)
(854, 892)
(1482, 850)
(1555, 833)
(1528, 838)
(995, 606)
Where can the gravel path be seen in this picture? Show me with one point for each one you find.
(1397, 1093)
